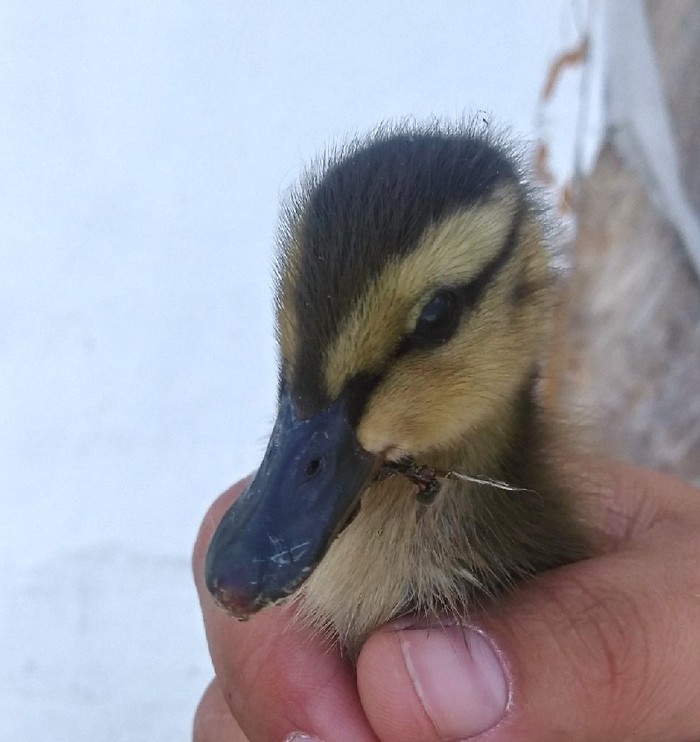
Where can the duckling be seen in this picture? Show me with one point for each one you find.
(410, 466)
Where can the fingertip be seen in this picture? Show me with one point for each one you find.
(443, 682)
(276, 677)
(213, 720)
(626, 500)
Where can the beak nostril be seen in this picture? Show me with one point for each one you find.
(312, 468)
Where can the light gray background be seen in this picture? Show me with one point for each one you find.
(143, 150)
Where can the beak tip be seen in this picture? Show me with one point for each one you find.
(228, 599)
(231, 603)
(220, 583)
(238, 582)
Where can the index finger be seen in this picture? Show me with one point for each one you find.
(277, 678)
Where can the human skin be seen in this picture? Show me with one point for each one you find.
(605, 649)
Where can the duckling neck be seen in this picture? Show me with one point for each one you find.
(400, 556)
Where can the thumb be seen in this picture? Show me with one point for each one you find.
(607, 649)
(441, 683)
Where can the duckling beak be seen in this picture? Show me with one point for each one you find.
(305, 491)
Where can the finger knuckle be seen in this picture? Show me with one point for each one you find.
(606, 631)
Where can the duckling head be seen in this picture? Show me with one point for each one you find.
(413, 299)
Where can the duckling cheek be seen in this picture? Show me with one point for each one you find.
(403, 424)
(411, 415)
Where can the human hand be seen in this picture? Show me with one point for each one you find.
(606, 649)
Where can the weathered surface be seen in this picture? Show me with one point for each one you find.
(675, 33)
(629, 348)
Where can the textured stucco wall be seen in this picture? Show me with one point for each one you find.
(628, 351)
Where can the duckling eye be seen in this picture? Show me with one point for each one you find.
(438, 320)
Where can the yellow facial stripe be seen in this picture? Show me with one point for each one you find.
(450, 252)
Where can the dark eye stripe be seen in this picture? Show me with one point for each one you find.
(470, 294)
(360, 387)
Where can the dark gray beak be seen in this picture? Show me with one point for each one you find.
(304, 493)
